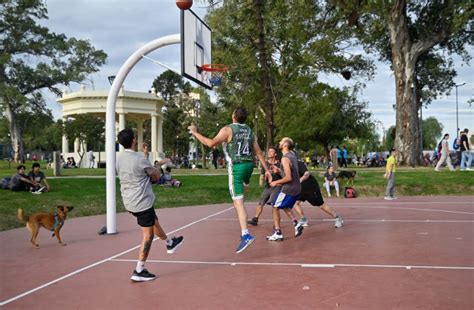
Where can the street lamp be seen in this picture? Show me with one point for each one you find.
(457, 115)
(111, 79)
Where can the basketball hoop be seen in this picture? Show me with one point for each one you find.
(213, 73)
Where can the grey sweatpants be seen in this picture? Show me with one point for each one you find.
(389, 192)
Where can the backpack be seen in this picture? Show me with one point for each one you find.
(455, 144)
(5, 183)
(349, 192)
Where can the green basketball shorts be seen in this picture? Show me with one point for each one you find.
(239, 174)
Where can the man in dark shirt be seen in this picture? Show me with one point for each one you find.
(290, 189)
(310, 192)
(37, 176)
(269, 193)
(465, 152)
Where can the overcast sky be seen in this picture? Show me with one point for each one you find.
(119, 27)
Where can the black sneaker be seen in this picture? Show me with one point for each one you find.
(142, 276)
(177, 241)
(253, 221)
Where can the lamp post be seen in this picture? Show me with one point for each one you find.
(457, 115)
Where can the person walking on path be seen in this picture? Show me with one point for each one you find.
(240, 145)
(465, 152)
(445, 154)
(136, 174)
(345, 157)
(390, 175)
(333, 156)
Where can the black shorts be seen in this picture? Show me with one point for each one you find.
(269, 195)
(311, 192)
(146, 218)
(314, 198)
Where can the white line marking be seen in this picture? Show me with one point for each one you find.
(101, 262)
(357, 220)
(297, 264)
(318, 265)
(412, 209)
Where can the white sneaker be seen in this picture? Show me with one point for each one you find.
(469, 169)
(339, 222)
(304, 223)
(298, 229)
(275, 237)
(388, 198)
(37, 193)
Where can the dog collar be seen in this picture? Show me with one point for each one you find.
(57, 222)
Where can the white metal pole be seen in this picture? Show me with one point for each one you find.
(110, 122)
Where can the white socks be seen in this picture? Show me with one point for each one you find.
(168, 241)
(244, 232)
(140, 266)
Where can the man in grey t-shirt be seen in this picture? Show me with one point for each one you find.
(136, 173)
(290, 190)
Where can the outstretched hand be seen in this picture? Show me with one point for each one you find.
(192, 129)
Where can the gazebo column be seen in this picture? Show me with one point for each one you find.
(160, 135)
(140, 133)
(154, 132)
(76, 146)
(121, 126)
(65, 142)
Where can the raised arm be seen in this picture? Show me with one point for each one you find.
(258, 151)
(224, 135)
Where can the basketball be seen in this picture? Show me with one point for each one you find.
(184, 4)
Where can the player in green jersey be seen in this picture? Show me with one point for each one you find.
(240, 145)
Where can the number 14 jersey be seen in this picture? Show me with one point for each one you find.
(240, 148)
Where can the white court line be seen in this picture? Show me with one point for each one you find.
(299, 264)
(101, 262)
(359, 220)
(413, 209)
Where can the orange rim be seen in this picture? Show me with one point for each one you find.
(214, 68)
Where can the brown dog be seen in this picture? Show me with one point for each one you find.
(52, 222)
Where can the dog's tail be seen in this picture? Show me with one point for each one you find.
(20, 215)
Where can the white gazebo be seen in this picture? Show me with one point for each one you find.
(131, 105)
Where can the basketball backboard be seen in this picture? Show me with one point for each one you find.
(195, 47)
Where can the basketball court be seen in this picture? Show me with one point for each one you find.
(415, 252)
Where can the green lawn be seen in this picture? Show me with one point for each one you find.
(88, 194)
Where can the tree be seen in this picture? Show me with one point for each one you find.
(87, 128)
(271, 46)
(175, 92)
(325, 115)
(390, 138)
(432, 132)
(408, 34)
(33, 58)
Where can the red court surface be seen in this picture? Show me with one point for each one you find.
(412, 253)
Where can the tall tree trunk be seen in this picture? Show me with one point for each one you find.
(403, 62)
(263, 59)
(15, 133)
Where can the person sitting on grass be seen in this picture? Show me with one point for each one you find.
(330, 180)
(38, 177)
(20, 181)
(168, 179)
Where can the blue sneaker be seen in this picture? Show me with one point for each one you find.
(245, 241)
